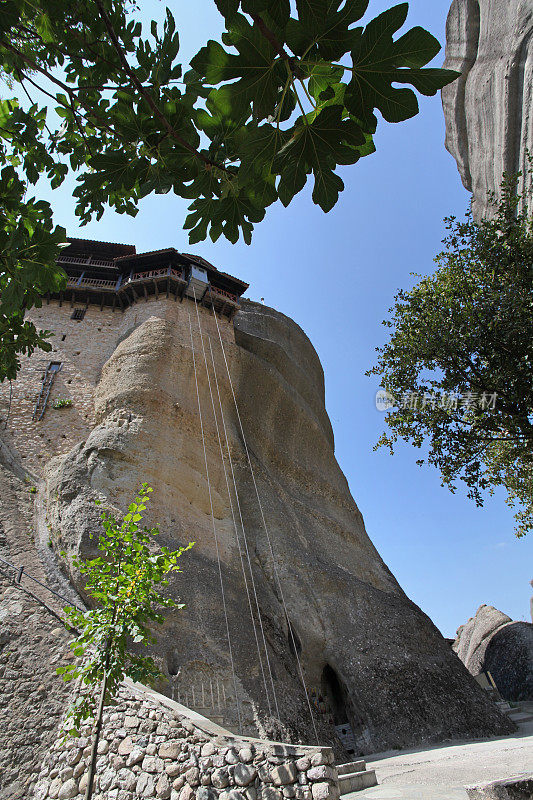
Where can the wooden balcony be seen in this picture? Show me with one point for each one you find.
(83, 261)
(167, 282)
(93, 283)
(221, 300)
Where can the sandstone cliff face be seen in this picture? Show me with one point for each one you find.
(488, 111)
(369, 656)
(491, 642)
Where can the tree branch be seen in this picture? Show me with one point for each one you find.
(145, 95)
(280, 50)
(21, 81)
(33, 64)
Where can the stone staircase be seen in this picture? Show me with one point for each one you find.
(518, 712)
(354, 776)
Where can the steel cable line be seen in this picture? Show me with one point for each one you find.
(230, 497)
(265, 526)
(214, 527)
(245, 538)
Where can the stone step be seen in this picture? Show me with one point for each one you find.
(351, 766)
(503, 705)
(356, 781)
(519, 716)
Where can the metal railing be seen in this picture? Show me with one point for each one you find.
(210, 693)
(154, 273)
(18, 573)
(223, 293)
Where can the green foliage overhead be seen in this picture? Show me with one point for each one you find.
(279, 100)
(124, 582)
(29, 244)
(459, 361)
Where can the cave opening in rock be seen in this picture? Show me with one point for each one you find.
(344, 711)
(335, 695)
(173, 664)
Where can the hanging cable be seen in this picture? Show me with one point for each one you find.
(231, 501)
(265, 526)
(244, 537)
(214, 527)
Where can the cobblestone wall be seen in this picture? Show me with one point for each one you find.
(152, 747)
(32, 644)
(82, 347)
(32, 696)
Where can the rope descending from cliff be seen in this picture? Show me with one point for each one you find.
(266, 529)
(215, 530)
(231, 500)
(248, 559)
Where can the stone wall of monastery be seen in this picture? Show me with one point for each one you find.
(33, 643)
(82, 347)
(151, 747)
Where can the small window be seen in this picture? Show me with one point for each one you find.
(78, 314)
(54, 366)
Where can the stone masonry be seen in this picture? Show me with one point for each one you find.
(82, 347)
(151, 747)
(32, 644)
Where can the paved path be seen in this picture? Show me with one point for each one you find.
(441, 772)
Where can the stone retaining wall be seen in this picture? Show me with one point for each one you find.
(32, 697)
(33, 643)
(152, 747)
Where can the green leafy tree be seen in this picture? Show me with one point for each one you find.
(282, 99)
(458, 365)
(125, 583)
(29, 244)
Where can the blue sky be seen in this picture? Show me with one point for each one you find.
(336, 276)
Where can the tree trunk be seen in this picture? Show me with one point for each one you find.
(96, 739)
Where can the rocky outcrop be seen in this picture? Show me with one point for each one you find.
(472, 638)
(369, 656)
(492, 642)
(489, 111)
(520, 787)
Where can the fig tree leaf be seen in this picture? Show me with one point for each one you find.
(317, 147)
(257, 71)
(415, 48)
(377, 63)
(277, 10)
(327, 23)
